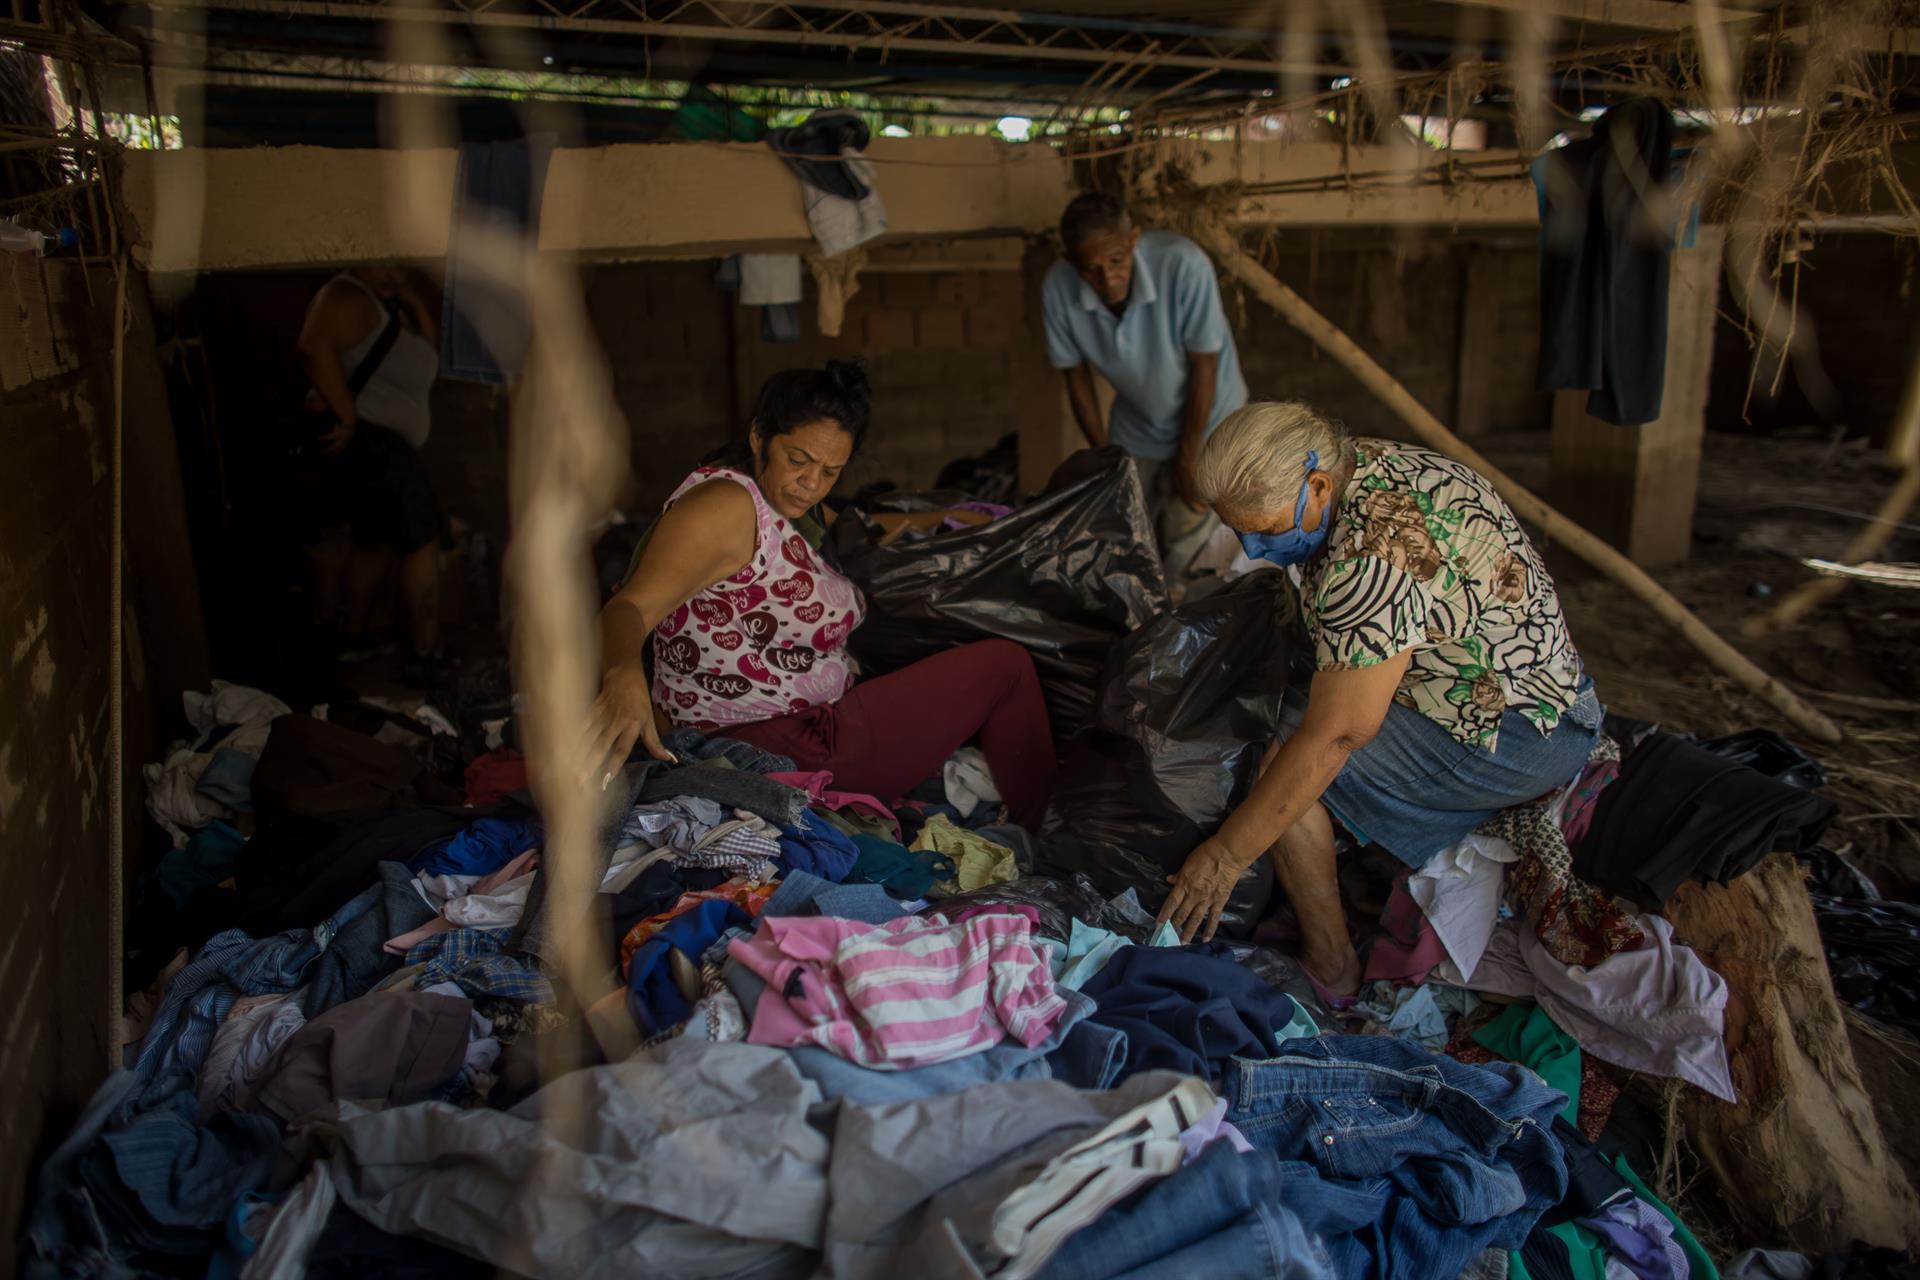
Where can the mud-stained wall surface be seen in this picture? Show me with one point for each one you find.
(56, 432)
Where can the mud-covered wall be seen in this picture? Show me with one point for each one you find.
(56, 433)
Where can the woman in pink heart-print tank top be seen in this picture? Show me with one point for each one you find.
(764, 642)
(748, 625)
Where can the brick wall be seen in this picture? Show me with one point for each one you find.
(954, 357)
(1402, 301)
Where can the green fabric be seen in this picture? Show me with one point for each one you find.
(1526, 1035)
(903, 873)
(856, 823)
(704, 116)
(978, 861)
(1699, 1265)
(1586, 1256)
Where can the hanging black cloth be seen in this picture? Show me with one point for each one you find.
(1605, 239)
(812, 150)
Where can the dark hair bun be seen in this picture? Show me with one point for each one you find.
(851, 377)
(792, 398)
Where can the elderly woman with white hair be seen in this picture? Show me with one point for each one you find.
(1445, 686)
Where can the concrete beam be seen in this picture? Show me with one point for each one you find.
(268, 207)
(1393, 185)
(300, 206)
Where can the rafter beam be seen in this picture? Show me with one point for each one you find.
(1641, 15)
(890, 26)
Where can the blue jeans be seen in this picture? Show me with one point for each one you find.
(1406, 1162)
(1415, 789)
(1224, 1215)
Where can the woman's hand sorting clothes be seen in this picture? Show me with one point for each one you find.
(1200, 891)
(334, 442)
(621, 716)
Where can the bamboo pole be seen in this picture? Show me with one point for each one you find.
(1328, 336)
(1903, 446)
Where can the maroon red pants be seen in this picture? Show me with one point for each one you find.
(893, 732)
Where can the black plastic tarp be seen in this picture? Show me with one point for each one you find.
(1187, 708)
(1065, 576)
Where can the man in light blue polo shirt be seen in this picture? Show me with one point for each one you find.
(1144, 309)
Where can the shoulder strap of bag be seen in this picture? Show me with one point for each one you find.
(370, 362)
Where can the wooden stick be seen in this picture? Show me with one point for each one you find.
(1866, 544)
(1302, 316)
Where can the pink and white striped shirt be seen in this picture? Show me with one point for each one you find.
(908, 993)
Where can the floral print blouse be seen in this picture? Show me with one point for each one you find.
(1425, 556)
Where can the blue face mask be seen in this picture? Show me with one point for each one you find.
(1296, 545)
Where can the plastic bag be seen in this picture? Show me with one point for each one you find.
(1186, 712)
(1058, 901)
(1065, 576)
(1767, 752)
(1873, 952)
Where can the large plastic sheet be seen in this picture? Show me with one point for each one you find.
(1065, 576)
(1187, 709)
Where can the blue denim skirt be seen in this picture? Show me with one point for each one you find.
(1416, 789)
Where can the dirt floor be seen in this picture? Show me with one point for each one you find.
(1764, 503)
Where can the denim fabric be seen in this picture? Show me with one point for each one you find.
(1415, 789)
(165, 1182)
(50, 1248)
(355, 961)
(1187, 1009)
(1406, 1162)
(817, 846)
(690, 744)
(867, 903)
(229, 966)
(1220, 1216)
(1092, 1056)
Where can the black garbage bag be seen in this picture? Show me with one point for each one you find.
(1065, 576)
(1187, 708)
(1873, 952)
(1059, 900)
(1767, 752)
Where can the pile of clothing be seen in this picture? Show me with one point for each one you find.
(862, 1036)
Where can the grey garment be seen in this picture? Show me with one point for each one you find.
(690, 1160)
(839, 224)
(228, 780)
(1771, 1264)
(730, 789)
(1660, 1010)
(297, 1223)
(1490, 1265)
(695, 1159)
(915, 1186)
(355, 961)
(539, 931)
